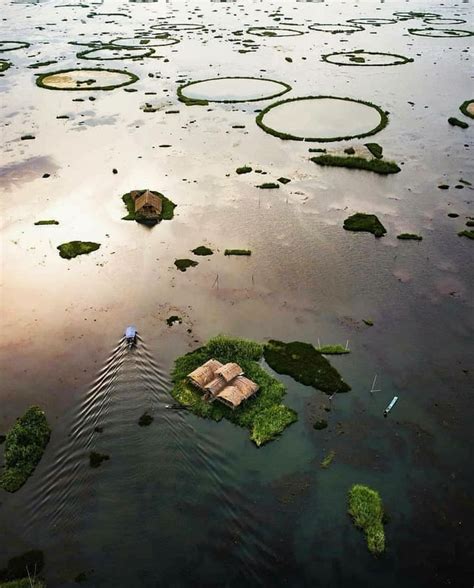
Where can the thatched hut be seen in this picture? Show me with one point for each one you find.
(147, 204)
(225, 383)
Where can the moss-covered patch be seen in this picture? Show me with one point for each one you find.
(202, 250)
(305, 364)
(96, 458)
(75, 248)
(455, 122)
(366, 510)
(320, 424)
(378, 166)
(409, 237)
(263, 414)
(244, 252)
(375, 149)
(245, 169)
(47, 222)
(333, 350)
(184, 264)
(328, 459)
(167, 209)
(145, 420)
(268, 186)
(466, 108)
(466, 233)
(369, 223)
(4, 65)
(18, 568)
(24, 446)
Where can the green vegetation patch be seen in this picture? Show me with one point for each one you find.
(263, 414)
(359, 58)
(237, 252)
(41, 64)
(328, 459)
(184, 264)
(375, 149)
(19, 567)
(378, 166)
(273, 32)
(167, 209)
(86, 85)
(123, 53)
(464, 108)
(368, 223)
(286, 136)
(4, 65)
(335, 28)
(455, 122)
(202, 250)
(47, 222)
(268, 186)
(12, 45)
(75, 248)
(245, 169)
(441, 33)
(333, 350)
(466, 233)
(305, 364)
(24, 583)
(409, 237)
(24, 447)
(366, 509)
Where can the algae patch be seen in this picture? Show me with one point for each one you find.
(366, 510)
(184, 264)
(378, 166)
(368, 223)
(75, 248)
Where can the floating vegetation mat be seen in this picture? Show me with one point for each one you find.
(4, 65)
(438, 20)
(335, 28)
(273, 32)
(178, 26)
(467, 108)
(373, 21)
(85, 79)
(365, 58)
(232, 89)
(111, 53)
(440, 33)
(158, 41)
(12, 46)
(322, 118)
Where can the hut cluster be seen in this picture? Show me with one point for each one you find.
(223, 382)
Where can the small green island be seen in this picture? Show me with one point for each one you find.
(148, 207)
(261, 412)
(367, 223)
(21, 571)
(202, 250)
(75, 248)
(24, 447)
(46, 222)
(244, 252)
(183, 264)
(379, 166)
(366, 510)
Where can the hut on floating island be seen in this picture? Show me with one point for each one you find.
(224, 382)
(148, 205)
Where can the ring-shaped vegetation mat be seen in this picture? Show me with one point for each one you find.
(85, 79)
(274, 32)
(4, 65)
(365, 58)
(144, 42)
(467, 108)
(110, 53)
(12, 45)
(439, 20)
(335, 28)
(178, 26)
(232, 89)
(411, 14)
(440, 33)
(322, 118)
(372, 21)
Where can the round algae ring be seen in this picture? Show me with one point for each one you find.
(111, 53)
(335, 28)
(133, 42)
(440, 33)
(85, 79)
(170, 26)
(233, 89)
(274, 32)
(365, 58)
(322, 118)
(12, 46)
(467, 108)
(373, 21)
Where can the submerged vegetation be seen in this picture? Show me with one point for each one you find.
(24, 446)
(328, 459)
(263, 414)
(21, 571)
(305, 364)
(75, 248)
(366, 509)
(368, 223)
(379, 166)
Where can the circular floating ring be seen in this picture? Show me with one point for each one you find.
(373, 21)
(178, 26)
(441, 33)
(365, 58)
(4, 65)
(228, 93)
(335, 28)
(81, 80)
(467, 108)
(411, 14)
(125, 53)
(274, 32)
(7, 45)
(323, 111)
(144, 42)
(439, 20)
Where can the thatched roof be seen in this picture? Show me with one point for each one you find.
(205, 373)
(229, 371)
(147, 198)
(216, 385)
(240, 389)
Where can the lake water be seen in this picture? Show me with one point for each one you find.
(187, 501)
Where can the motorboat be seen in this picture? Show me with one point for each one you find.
(131, 336)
